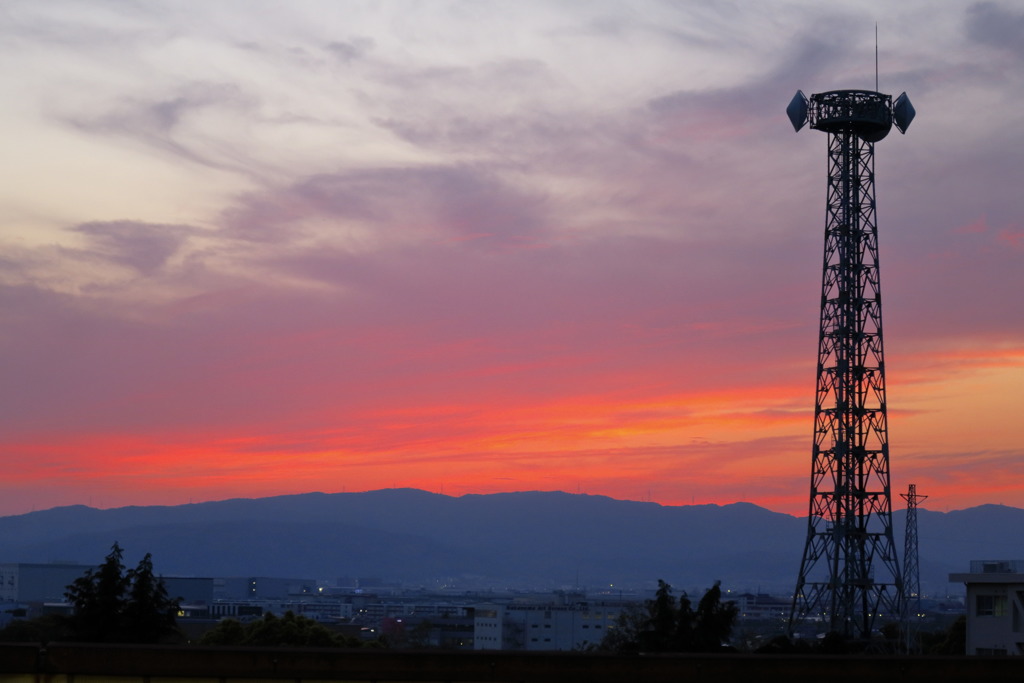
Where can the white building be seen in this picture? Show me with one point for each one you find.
(536, 627)
(995, 607)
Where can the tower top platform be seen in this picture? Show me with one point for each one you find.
(865, 113)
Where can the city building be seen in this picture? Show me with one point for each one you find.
(27, 582)
(261, 588)
(189, 590)
(536, 627)
(994, 606)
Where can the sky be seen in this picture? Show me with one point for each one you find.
(257, 248)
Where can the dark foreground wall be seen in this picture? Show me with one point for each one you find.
(60, 663)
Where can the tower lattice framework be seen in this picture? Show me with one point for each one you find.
(911, 569)
(849, 574)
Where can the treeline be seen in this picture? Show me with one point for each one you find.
(112, 604)
(290, 629)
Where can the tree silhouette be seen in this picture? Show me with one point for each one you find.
(114, 606)
(99, 600)
(667, 625)
(149, 614)
(713, 621)
(624, 637)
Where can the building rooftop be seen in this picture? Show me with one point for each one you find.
(992, 571)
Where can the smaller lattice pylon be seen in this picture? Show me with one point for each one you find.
(911, 571)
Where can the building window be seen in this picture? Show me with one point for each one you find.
(990, 606)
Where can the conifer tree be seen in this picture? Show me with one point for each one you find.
(149, 613)
(114, 606)
(99, 600)
(665, 625)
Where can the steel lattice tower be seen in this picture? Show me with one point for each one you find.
(850, 574)
(911, 569)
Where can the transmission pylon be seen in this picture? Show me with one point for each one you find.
(911, 570)
(849, 575)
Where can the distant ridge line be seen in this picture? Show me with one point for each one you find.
(536, 539)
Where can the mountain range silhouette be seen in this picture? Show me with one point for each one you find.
(538, 540)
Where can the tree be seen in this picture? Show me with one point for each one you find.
(713, 621)
(665, 625)
(661, 632)
(149, 613)
(112, 606)
(271, 631)
(952, 641)
(624, 637)
(98, 598)
(226, 632)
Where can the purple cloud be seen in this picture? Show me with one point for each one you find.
(142, 246)
(993, 24)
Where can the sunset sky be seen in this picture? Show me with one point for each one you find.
(256, 248)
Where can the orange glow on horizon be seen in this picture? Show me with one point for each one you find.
(700, 447)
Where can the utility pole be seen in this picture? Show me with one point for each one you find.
(911, 571)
